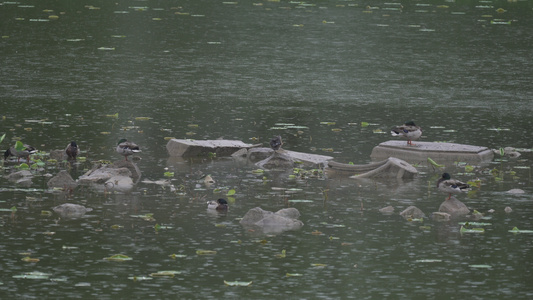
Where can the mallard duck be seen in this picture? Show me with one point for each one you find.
(276, 142)
(409, 131)
(220, 204)
(72, 150)
(451, 186)
(127, 148)
(26, 151)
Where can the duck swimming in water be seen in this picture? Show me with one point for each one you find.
(24, 152)
(220, 205)
(408, 131)
(451, 186)
(72, 150)
(127, 148)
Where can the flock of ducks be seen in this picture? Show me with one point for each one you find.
(409, 131)
(124, 147)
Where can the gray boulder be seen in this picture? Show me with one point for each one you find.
(272, 223)
(454, 207)
(71, 211)
(412, 212)
(62, 180)
(120, 176)
(22, 178)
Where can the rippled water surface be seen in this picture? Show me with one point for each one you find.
(243, 70)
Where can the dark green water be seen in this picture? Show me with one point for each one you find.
(211, 69)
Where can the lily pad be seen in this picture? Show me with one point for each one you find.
(118, 257)
(516, 230)
(165, 273)
(237, 283)
(472, 230)
(206, 252)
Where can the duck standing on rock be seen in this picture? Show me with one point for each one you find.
(20, 150)
(409, 131)
(127, 148)
(220, 205)
(72, 150)
(451, 186)
(276, 143)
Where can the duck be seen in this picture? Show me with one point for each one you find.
(451, 186)
(127, 148)
(219, 204)
(72, 150)
(409, 131)
(25, 152)
(276, 142)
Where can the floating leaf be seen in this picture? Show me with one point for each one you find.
(282, 255)
(258, 171)
(206, 252)
(472, 230)
(113, 116)
(319, 265)
(231, 192)
(19, 146)
(139, 278)
(118, 257)
(364, 124)
(146, 217)
(168, 174)
(29, 259)
(516, 230)
(328, 123)
(165, 274)
(480, 266)
(433, 163)
(237, 283)
(294, 275)
(428, 260)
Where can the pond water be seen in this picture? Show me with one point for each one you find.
(243, 70)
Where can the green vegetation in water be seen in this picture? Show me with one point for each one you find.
(471, 230)
(2, 137)
(516, 230)
(118, 257)
(435, 164)
(206, 252)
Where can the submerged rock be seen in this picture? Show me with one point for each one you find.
(62, 180)
(440, 216)
(387, 210)
(454, 207)
(120, 176)
(23, 178)
(71, 211)
(412, 212)
(269, 222)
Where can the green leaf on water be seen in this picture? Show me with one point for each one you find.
(2, 137)
(472, 230)
(364, 124)
(294, 275)
(237, 283)
(206, 252)
(433, 163)
(19, 146)
(118, 257)
(480, 266)
(113, 116)
(165, 273)
(516, 230)
(168, 174)
(231, 192)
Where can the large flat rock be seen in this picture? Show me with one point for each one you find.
(191, 148)
(421, 151)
